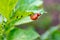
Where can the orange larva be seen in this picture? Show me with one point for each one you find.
(35, 16)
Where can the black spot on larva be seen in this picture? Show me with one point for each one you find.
(4, 25)
(16, 16)
(21, 15)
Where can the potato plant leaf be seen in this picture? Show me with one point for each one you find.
(23, 34)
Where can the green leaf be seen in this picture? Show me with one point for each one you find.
(28, 5)
(19, 16)
(23, 34)
(6, 6)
